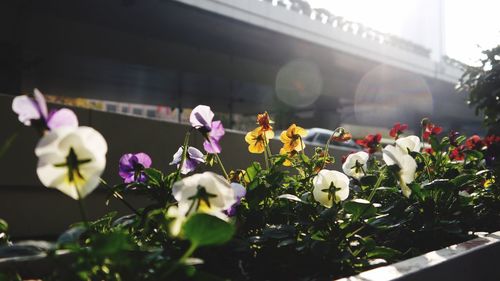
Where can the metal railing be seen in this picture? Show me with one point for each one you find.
(326, 17)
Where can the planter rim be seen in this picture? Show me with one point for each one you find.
(403, 269)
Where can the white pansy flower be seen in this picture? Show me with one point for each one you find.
(206, 192)
(178, 217)
(71, 160)
(329, 187)
(411, 143)
(355, 164)
(407, 166)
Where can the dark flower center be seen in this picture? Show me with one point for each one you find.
(73, 164)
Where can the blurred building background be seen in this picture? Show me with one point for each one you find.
(161, 58)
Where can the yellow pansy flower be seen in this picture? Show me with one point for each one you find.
(258, 139)
(292, 138)
(289, 155)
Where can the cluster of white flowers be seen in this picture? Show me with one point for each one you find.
(333, 186)
(206, 193)
(399, 155)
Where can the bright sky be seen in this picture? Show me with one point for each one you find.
(466, 23)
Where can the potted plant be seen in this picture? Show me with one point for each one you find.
(289, 217)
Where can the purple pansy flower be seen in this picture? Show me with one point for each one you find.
(193, 158)
(131, 167)
(239, 193)
(201, 119)
(35, 109)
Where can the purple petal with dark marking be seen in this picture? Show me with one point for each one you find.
(144, 159)
(131, 167)
(201, 116)
(193, 158)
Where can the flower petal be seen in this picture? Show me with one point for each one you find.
(323, 181)
(26, 109)
(217, 130)
(62, 117)
(41, 103)
(411, 143)
(144, 159)
(177, 157)
(389, 153)
(239, 190)
(196, 154)
(201, 116)
(349, 166)
(212, 146)
(53, 149)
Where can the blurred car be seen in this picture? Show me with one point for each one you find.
(319, 137)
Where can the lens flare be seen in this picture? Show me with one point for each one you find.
(299, 83)
(386, 95)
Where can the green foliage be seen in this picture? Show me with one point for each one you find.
(204, 230)
(483, 86)
(280, 231)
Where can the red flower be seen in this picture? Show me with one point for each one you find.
(474, 143)
(491, 139)
(397, 130)
(457, 154)
(370, 143)
(428, 150)
(431, 129)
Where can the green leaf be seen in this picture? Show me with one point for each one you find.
(291, 197)
(460, 139)
(107, 244)
(279, 231)
(368, 180)
(304, 158)
(463, 180)
(434, 143)
(154, 176)
(445, 141)
(253, 170)
(203, 230)
(71, 235)
(6, 145)
(383, 253)
(474, 154)
(3, 226)
(360, 208)
(286, 242)
(437, 184)
(210, 159)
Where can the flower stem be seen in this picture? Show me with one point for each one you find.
(267, 151)
(82, 208)
(184, 154)
(302, 146)
(376, 186)
(221, 165)
(326, 155)
(118, 196)
(266, 159)
(182, 259)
